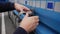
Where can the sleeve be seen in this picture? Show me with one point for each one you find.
(20, 31)
(6, 6)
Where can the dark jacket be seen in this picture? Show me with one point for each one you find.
(8, 6)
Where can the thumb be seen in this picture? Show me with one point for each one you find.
(26, 15)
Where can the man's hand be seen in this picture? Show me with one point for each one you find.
(20, 7)
(29, 23)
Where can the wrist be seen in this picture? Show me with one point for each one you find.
(24, 28)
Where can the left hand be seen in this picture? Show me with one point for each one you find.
(19, 7)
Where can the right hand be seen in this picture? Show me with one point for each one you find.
(29, 23)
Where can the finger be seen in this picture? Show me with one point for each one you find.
(37, 24)
(35, 17)
(34, 26)
(26, 9)
(36, 21)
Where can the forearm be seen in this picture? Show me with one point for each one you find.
(6, 6)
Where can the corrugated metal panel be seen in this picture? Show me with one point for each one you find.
(57, 6)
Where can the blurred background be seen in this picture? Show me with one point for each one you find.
(47, 10)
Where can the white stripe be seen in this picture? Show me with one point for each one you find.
(3, 24)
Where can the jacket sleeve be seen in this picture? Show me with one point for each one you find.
(20, 31)
(6, 6)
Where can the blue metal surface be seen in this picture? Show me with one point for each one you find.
(50, 21)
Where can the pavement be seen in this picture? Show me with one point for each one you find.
(7, 27)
